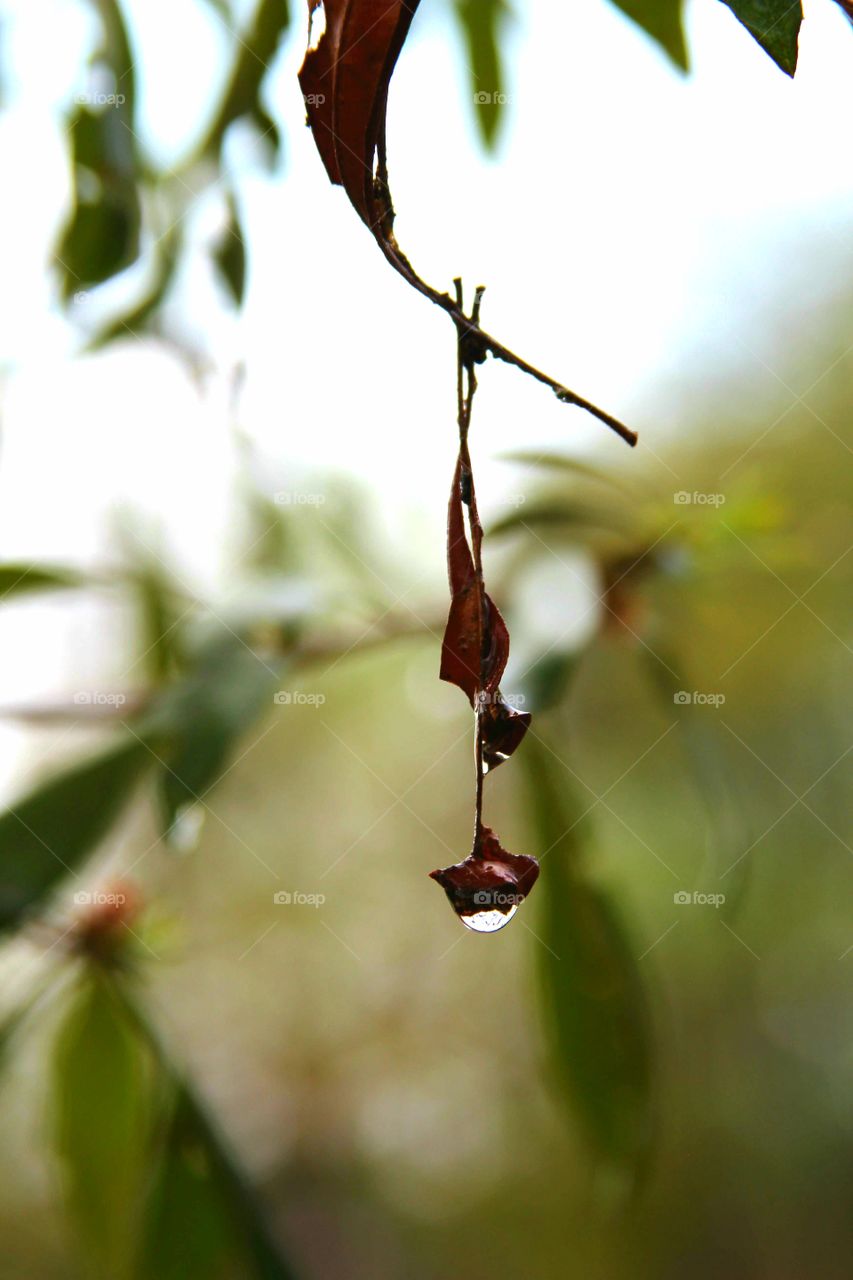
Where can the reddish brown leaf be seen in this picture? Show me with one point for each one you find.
(488, 887)
(475, 649)
(460, 562)
(344, 81)
(353, 49)
(502, 728)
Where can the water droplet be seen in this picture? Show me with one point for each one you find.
(184, 833)
(488, 921)
(487, 888)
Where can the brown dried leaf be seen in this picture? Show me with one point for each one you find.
(487, 888)
(475, 649)
(344, 81)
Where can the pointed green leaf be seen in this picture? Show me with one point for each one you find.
(102, 1112)
(228, 687)
(560, 513)
(662, 20)
(200, 1217)
(717, 781)
(230, 254)
(255, 49)
(101, 234)
(560, 462)
(481, 23)
(775, 24)
(49, 832)
(593, 996)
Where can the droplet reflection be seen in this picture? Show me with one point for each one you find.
(488, 921)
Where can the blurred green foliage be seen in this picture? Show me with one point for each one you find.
(124, 206)
(396, 1079)
(631, 798)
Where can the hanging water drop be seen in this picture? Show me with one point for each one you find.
(488, 921)
(184, 833)
(487, 889)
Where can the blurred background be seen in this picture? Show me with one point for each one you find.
(242, 1034)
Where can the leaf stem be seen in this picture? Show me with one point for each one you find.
(477, 340)
(466, 387)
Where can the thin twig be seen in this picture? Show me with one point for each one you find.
(478, 342)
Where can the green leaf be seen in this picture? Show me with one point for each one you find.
(554, 461)
(201, 1218)
(662, 20)
(227, 689)
(101, 235)
(102, 1110)
(10, 1025)
(138, 319)
(161, 608)
(21, 579)
(719, 784)
(775, 24)
(49, 832)
(593, 997)
(561, 462)
(255, 49)
(230, 254)
(563, 513)
(481, 23)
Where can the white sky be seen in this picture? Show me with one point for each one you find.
(629, 228)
